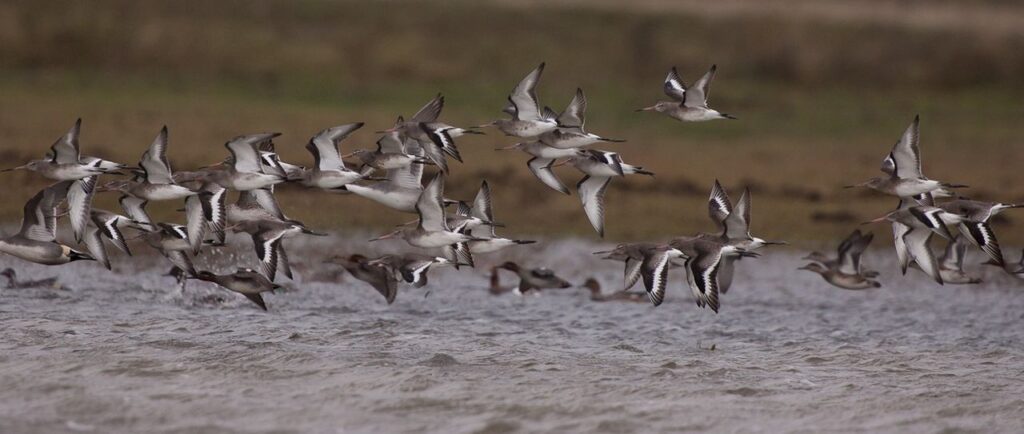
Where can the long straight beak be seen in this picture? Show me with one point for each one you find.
(645, 109)
(508, 148)
(877, 220)
(13, 168)
(489, 124)
(348, 155)
(383, 237)
(776, 243)
(387, 131)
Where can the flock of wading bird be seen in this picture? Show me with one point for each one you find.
(551, 139)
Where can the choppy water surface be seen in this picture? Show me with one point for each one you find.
(126, 352)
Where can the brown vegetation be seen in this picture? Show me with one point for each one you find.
(820, 101)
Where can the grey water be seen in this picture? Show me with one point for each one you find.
(126, 351)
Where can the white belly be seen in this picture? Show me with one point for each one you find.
(699, 115)
(162, 192)
(401, 200)
(36, 251)
(432, 240)
(331, 179)
(544, 151)
(567, 141)
(251, 181)
(528, 129)
(908, 188)
(489, 246)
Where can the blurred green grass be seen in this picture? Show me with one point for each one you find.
(820, 104)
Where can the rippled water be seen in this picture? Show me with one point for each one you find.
(126, 352)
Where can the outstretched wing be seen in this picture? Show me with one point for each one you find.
(541, 168)
(481, 209)
(654, 270)
(575, 113)
(80, 204)
(40, 213)
(430, 111)
(523, 98)
(697, 95)
(245, 153)
(905, 159)
(430, 205)
(591, 190)
(719, 206)
(324, 146)
(674, 86)
(917, 245)
(154, 160)
(94, 243)
(65, 150)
